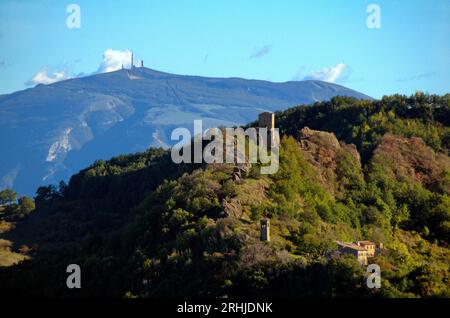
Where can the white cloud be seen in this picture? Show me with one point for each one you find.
(46, 77)
(329, 74)
(114, 59)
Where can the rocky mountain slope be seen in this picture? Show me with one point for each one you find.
(51, 131)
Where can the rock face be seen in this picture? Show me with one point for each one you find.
(412, 158)
(241, 170)
(324, 152)
(309, 136)
(320, 147)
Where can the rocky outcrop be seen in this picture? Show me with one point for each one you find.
(323, 147)
(311, 138)
(324, 152)
(411, 158)
(241, 170)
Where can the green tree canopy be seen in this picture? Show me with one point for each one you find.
(7, 197)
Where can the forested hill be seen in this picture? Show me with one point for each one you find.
(139, 225)
(55, 130)
(363, 123)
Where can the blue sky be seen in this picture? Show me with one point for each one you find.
(269, 40)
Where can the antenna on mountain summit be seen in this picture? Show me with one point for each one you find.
(131, 60)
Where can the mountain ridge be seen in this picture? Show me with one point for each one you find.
(52, 131)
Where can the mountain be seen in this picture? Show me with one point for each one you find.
(351, 170)
(51, 131)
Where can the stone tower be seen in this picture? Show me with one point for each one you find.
(265, 230)
(266, 120)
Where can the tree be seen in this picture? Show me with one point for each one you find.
(46, 194)
(26, 205)
(7, 197)
(62, 187)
